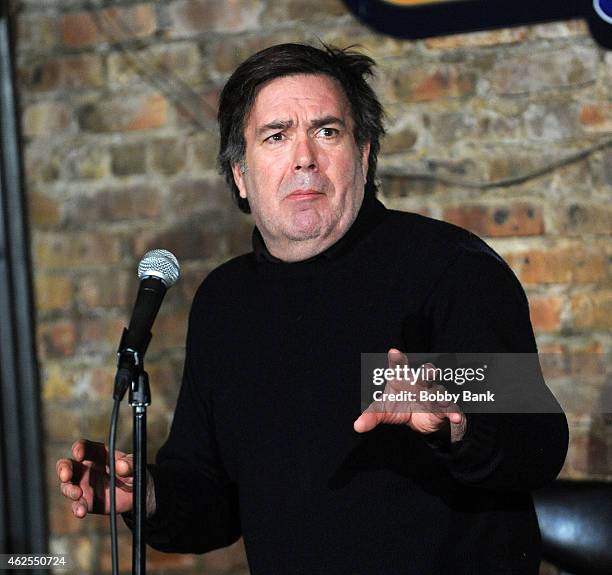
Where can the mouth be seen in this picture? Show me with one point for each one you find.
(304, 195)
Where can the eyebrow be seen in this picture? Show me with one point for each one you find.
(285, 124)
(326, 120)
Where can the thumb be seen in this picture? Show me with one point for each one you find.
(368, 420)
(124, 466)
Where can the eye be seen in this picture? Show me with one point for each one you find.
(328, 133)
(278, 137)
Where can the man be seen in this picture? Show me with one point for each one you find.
(267, 439)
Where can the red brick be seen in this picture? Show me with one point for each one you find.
(57, 381)
(550, 120)
(53, 292)
(202, 109)
(557, 30)
(498, 221)
(61, 423)
(592, 310)
(43, 211)
(128, 159)
(81, 30)
(100, 335)
(194, 17)
(588, 455)
(559, 265)
(70, 72)
(124, 204)
(164, 374)
(302, 10)
(61, 519)
(100, 381)
(56, 339)
(353, 33)
(401, 141)
(187, 241)
(125, 114)
(86, 162)
(46, 119)
(176, 60)
(581, 218)
(596, 117)
(41, 165)
(200, 195)
(478, 39)
(406, 186)
(101, 289)
(559, 360)
(226, 56)
(432, 83)
(37, 32)
(589, 359)
(538, 70)
(545, 312)
(168, 156)
(169, 332)
(72, 250)
(202, 148)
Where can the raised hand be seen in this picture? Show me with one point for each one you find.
(423, 417)
(85, 479)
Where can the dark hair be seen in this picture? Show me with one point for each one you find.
(349, 68)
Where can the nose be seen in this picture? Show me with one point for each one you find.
(305, 155)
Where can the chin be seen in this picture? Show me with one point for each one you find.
(305, 226)
(299, 235)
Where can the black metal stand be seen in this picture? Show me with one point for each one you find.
(131, 375)
(139, 399)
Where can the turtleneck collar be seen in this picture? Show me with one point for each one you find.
(370, 213)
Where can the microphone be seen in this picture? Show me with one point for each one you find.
(158, 270)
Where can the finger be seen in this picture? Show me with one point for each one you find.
(455, 416)
(86, 450)
(366, 422)
(426, 376)
(453, 413)
(70, 491)
(64, 470)
(79, 508)
(395, 357)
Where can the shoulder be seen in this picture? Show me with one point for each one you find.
(444, 249)
(435, 234)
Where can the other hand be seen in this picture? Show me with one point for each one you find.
(85, 479)
(423, 417)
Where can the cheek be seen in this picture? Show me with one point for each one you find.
(347, 169)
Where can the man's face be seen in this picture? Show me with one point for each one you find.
(305, 175)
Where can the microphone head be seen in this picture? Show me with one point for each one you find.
(161, 264)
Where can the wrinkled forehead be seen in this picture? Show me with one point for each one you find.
(317, 94)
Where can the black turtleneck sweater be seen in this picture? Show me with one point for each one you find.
(262, 444)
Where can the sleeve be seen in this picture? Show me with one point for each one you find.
(478, 306)
(196, 503)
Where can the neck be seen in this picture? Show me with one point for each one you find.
(299, 250)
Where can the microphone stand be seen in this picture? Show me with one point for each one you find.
(131, 374)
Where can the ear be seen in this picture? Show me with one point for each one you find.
(365, 154)
(239, 179)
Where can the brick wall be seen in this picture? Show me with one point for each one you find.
(118, 113)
